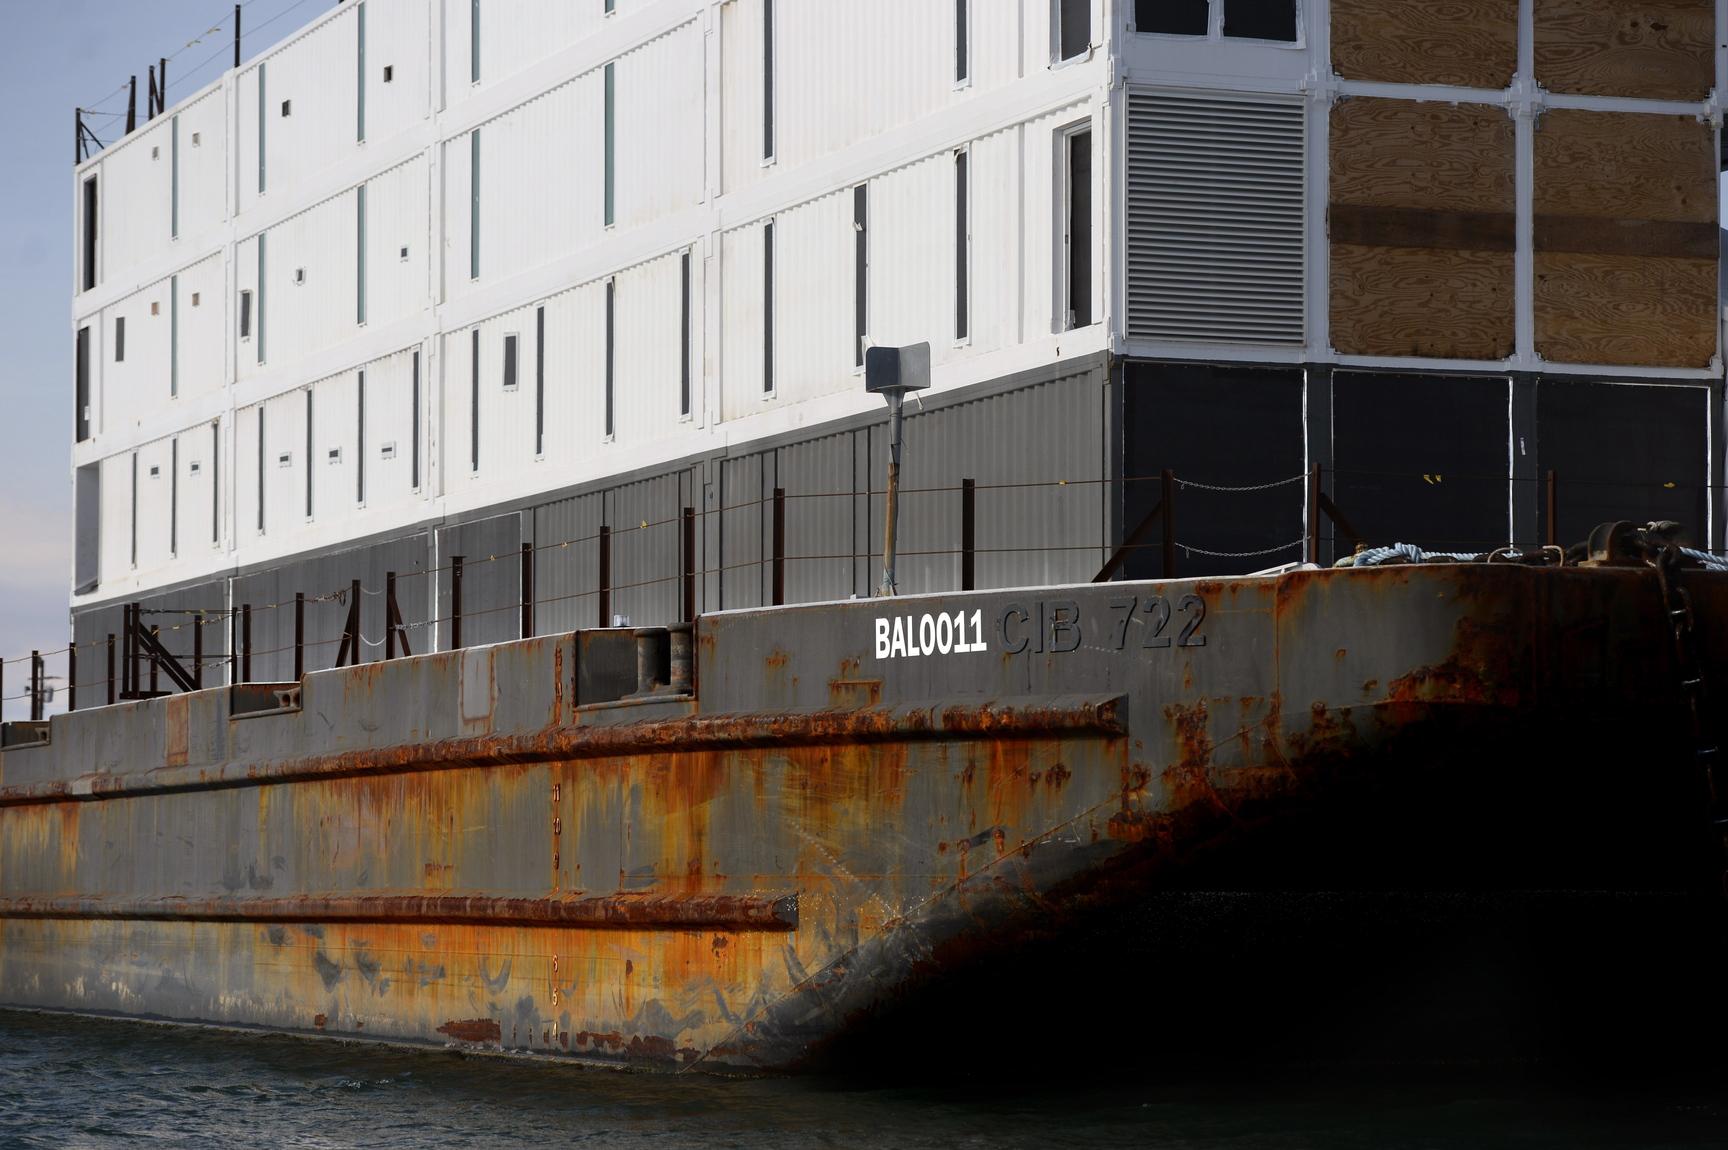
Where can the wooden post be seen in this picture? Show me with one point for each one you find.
(689, 565)
(527, 590)
(1553, 508)
(605, 583)
(1314, 514)
(968, 534)
(779, 546)
(1169, 484)
(299, 635)
(455, 602)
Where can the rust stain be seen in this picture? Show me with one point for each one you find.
(318, 1021)
(175, 741)
(477, 1030)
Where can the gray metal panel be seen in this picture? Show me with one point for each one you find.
(817, 476)
(491, 580)
(645, 544)
(174, 612)
(566, 562)
(743, 540)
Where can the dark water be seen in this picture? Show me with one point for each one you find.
(70, 1082)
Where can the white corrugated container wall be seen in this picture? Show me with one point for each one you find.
(513, 35)
(246, 281)
(741, 266)
(306, 314)
(547, 151)
(741, 128)
(155, 484)
(911, 236)
(506, 414)
(242, 479)
(196, 453)
(995, 185)
(135, 388)
(135, 201)
(200, 328)
(316, 75)
(813, 328)
(646, 364)
(203, 165)
(659, 93)
(335, 428)
(1042, 189)
(398, 221)
(245, 136)
(576, 381)
(389, 447)
(116, 532)
(284, 464)
(396, 38)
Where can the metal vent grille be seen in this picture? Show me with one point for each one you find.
(1215, 219)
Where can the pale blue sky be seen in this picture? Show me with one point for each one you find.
(56, 55)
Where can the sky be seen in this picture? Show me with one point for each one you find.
(56, 55)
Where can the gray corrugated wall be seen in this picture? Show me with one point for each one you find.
(566, 562)
(174, 613)
(820, 511)
(491, 579)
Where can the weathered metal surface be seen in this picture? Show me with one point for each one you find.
(449, 849)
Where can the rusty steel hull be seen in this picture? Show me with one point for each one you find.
(457, 848)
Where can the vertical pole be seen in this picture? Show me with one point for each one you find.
(527, 590)
(689, 567)
(891, 503)
(78, 133)
(236, 35)
(605, 583)
(233, 644)
(150, 96)
(35, 686)
(968, 534)
(162, 84)
(455, 602)
(132, 108)
(779, 546)
(155, 662)
(1553, 507)
(1169, 523)
(72, 674)
(299, 635)
(111, 683)
(354, 659)
(246, 642)
(1314, 515)
(198, 651)
(389, 614)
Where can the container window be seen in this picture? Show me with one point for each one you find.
(287, 108)
(962, 245)
(610, 173)
(1073, 28)
(860, 270)
(510, 362)
(1078, 228)
(90, 206)
(360, 439)
(119, 339)
(1173, 17)
(767, 79)
(962, 49)
(245, 314)
(474, 402)
(768, 307)
(611, 352)
(684, 319)
(82, 397)
(1260, 19)
(540, 381)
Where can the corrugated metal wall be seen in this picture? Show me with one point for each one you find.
(309, 287)
(136, 184)
(136, 389)
(397, 35)
(398, 243)
(513, 35)
(491, 579)
(317, 74)
(812, 307)
(203, 164)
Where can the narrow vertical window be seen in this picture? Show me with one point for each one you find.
(309, 455)
(134, 509)
(611, 6)
(174, 179)
(767, 79)
(510, 360)
(263, 119)
(216, 482)
(474, 204)
(1079, 229)
(360, 73)
(962, 50)
(245, 313)
(119, 339)
(474, 403)
(360, 253)
(684, 334)
(611, 349)
(1073, 28)
(540, 381)
(174, 497)
(414, 453)
(360, 440)
(173, 336)
(260, 297)
(860, 270)
(260, 469)
(90, 219)
(474, 42)
(81, 398)
(962, 245)
(768, 306)
(611, 181)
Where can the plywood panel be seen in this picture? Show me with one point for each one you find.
(1472, 43)
(1655, 49)
(1625, 165)
(1630, 310)
(1420, 301)
(1421, 226)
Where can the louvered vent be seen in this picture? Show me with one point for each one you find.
(1215, 218)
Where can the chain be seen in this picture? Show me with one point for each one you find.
(1238, 490)
(1187, 550)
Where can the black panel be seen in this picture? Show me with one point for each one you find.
(1080, 229)
(1076, 30)
(1422, 459)
(1622, 451)
(1221, 426)
(1260, 19)
(1177, 17)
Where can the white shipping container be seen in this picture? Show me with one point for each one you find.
(134, 201)
(308, 110)
(203, 155)
(659, 132)
(397, 79)
(813, 313)
(646, 367)
(513, 34)
(398, 241)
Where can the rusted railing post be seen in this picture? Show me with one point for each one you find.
(527, 590)
(605, 583)
(299, 634)
(1314, 515)
(1553, 508)
(246, 642)
(968, 534)
(72, 674)
(389, 614)
(198, 650)
(688, 550)
(155, 663)
(779, 546)
(36, 686)
(455, 602)
(1169, 484)
(233, 646)
(112, 685)
(354, 629)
